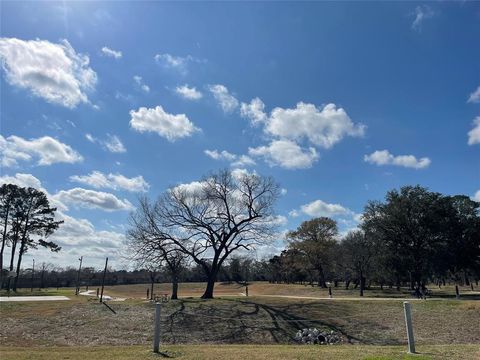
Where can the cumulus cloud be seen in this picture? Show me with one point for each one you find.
(22, 180)
(81, 232)
(140, 84)
(54, 72)
(91, 199)
(320, 208)
(235, 160)
(169, 126)
(286, 153)
(74, 233)
(322, 127)
(347, 219)
(46, 149)
(189, 93)
(111, 53)
(474, 96)
(28, 180)
(383, 157)
(98, 180)
(225, 100)
(422, 13)
(254, 111)
(474, 134)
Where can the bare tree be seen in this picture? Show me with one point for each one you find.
(152, 255)
(209, 220)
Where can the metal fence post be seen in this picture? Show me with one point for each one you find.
(156, 337)
(408, 321)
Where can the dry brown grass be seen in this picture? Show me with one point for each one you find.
(265, 288)
(257, 320)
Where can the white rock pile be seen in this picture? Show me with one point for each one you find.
(315, 336)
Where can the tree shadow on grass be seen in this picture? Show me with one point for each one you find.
(248, 321)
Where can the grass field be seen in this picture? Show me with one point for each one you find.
(266, 288)
(201, 329)
(251, 352)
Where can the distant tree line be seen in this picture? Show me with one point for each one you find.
(414, 237)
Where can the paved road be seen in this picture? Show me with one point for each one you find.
(33, 298)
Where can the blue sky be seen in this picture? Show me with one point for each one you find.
(339, 102)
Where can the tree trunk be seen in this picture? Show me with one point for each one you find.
(212, 277)
(321, 278)
(174, 287)
(152, 278)
(12, 259)
(362, 283)
(347, 284)
(19, 263)
(4, 240)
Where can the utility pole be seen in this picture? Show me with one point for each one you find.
(33, 273)
(103, 279)
(77, 290)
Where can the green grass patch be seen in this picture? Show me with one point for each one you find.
(253, 352)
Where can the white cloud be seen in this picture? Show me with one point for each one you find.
(220, 155)
(422, 13)
(286, 153)
(476, 197)
(177, 63)
(111, 53)
(238, 174)
(169, 126)
(474, 96)
(474, 134)
(384, 157)
(114, 145)
(90, 138)
(22, 180)
(322, 127)
(81, 232)
(54, 72)
(255, 111)
(320, 208)
(235, 160)
(283, 191)
(98, 180)
(91, 199)
(277, 220)
(227, 102)
(46, 149)
(141, 85)
(76, 236)
(28, 180)
(190, 188)
(190, 93)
